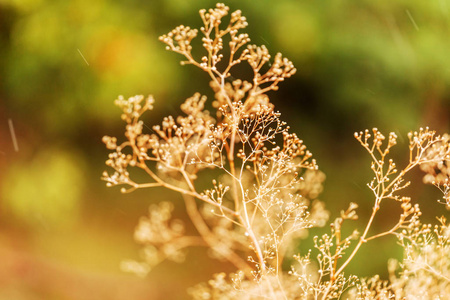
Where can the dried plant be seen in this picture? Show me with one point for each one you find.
(264, 193)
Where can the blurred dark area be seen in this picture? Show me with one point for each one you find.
(63, 234)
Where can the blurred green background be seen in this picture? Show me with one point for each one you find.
(63, 62)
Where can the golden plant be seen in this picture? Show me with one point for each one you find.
(264, 193)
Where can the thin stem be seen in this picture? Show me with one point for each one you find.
(182, 191)
(211, 240)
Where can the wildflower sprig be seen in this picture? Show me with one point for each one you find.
(213, 31)
(260, 197)
(388, 180)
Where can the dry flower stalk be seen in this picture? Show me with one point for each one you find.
(266, 183)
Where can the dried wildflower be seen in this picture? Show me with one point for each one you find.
(265, 184)
(260, 202)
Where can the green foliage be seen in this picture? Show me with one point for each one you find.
(73, 56)
(45, 192)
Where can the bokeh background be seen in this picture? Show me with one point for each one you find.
(63, 234)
